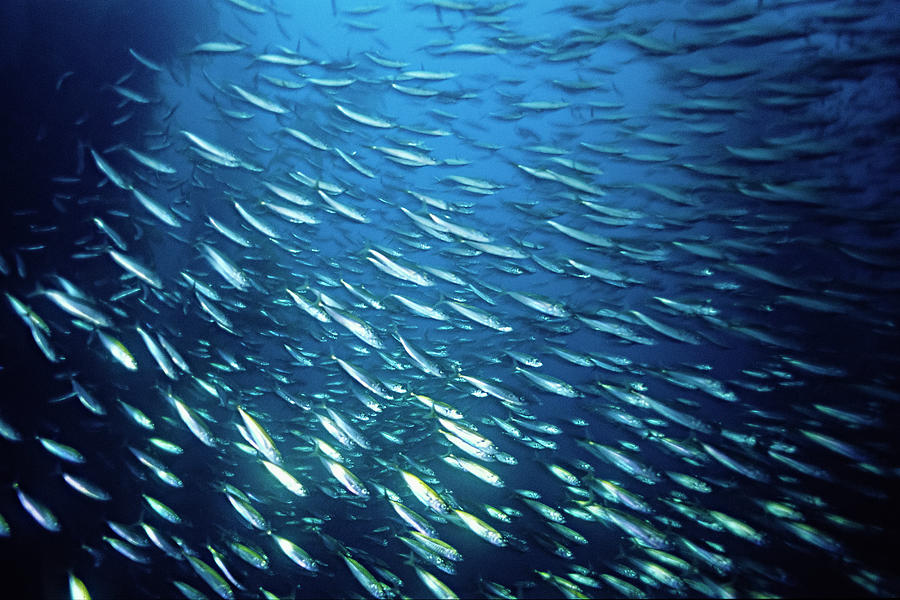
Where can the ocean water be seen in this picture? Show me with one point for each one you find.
(686, 212)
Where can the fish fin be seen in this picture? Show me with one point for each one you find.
(65, 396)
(410, 560)
(39, 290)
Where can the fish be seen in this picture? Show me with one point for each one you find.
(364, 119)
(158, 210)
(118, 350)
(133, 266)
(66, 453)
(260, 438)
(215, 581)
(113, 175)
(130, 94)
(81, 308)
(225, 267)
(480, 528)
(296, 553)
(40, 513)
(376, 588)
(259, 101)
(114, 237)
(425, 494)
(217, 48)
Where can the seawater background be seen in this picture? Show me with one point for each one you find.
(45, 39)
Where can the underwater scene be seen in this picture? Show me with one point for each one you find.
(449, 298)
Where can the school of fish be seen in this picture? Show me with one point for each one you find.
(369, 326)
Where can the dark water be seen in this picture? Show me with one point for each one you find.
(768, 193)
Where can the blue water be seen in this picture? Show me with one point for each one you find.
(821, 216)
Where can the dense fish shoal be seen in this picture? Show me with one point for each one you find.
(450, 299)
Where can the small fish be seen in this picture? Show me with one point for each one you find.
(40, 513)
